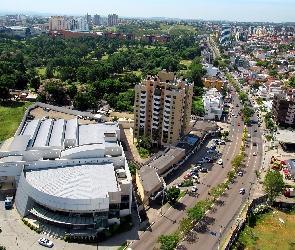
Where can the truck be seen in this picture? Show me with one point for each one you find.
(8, 202)
(289, 192)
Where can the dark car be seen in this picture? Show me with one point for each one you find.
(30, 117)
(237, 105)
(254, 143)
(204, 170)
(255, 130)
(46, 109)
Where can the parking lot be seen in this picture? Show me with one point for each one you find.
(39, 113)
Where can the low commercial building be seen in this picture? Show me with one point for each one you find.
(213, 104)
(68, 174)
(213, 82)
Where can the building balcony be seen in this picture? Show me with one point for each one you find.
(167, 98)
(166, 119)
(157, 102)
(156, 113)
(143, 94)
(166, 124)
(165, 129)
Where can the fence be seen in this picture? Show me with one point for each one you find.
(241, 223)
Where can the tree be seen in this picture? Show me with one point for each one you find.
(197, 212)
(185, 226)
(256, 85)
(172, 194)
(83, 101)
(273, 184)
(243, 96)
(132, 168)
(225, 134)
(246, 111)
(169, 241)
(237, 161)
(2, 248)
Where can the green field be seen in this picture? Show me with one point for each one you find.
(187, 63)
(269, 233)
(11, 114)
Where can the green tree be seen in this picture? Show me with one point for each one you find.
(83, 101)
(225, 134)
(2, 248)
(246, 111)
(185, 226)
(72, 91)
(197, 212)
(237, 161)
(172, 194)
(168, 242)
(256, 85)
(243, 96)
(132, 168)
(273, 184)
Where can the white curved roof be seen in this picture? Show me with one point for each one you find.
(77, 182)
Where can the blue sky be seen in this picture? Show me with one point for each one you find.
(232, 10)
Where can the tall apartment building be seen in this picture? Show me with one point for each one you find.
(162, 108)
(58, 23)
(225, 33)
(88, 18)
(283, 109)
(96, 20)
(112, 20)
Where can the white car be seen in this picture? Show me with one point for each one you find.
(210, 151)
(194, 189)
(242, 191)
(240, 173)
(254, 154)
(45, 118)
(220, 162)
(45, 242)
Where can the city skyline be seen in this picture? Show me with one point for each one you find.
(230, 10)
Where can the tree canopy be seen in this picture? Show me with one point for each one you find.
(273, 184)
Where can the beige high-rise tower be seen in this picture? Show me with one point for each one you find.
(162, 108)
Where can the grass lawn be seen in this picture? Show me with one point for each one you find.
(187, 63)
(11, 114)
(183, 27)
(41, 70)
(104, 57)
(269, 233)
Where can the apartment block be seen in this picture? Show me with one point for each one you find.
(58, 23)
(162, 108)
(112, 20)
(96, 20)
(283, 109)
(213, 104)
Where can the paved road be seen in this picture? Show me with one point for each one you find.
(227, 206)
(224, 212)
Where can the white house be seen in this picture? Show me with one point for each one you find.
(213, 104)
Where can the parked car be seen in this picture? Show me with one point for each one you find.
(204, 170)
(210, 151)
(79, 116)
(45, 118)
(220, 162)
(30, 117)
(45, 242)
(221, 142)
(213, 147)
(188, 175)
(242, 191)
(194, 189)
(180, 184)
(47, 109)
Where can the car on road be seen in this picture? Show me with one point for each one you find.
(210, 151)
(242, 191)
(254, 143)
(255, 130)
(249, 136)
(237, 105)
(220, 162)
(45, 242)
(240, 173)
(204, 170)
(254, 154)
(194, 189)
(239, 123)
(210, 160)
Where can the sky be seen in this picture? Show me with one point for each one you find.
(231, 10)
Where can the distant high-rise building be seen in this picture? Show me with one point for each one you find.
(162, 108)
(112, 20)
(96, 20)
(225, 34)
(88, 18)
(57, 23)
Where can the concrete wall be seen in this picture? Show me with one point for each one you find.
(122, 115)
